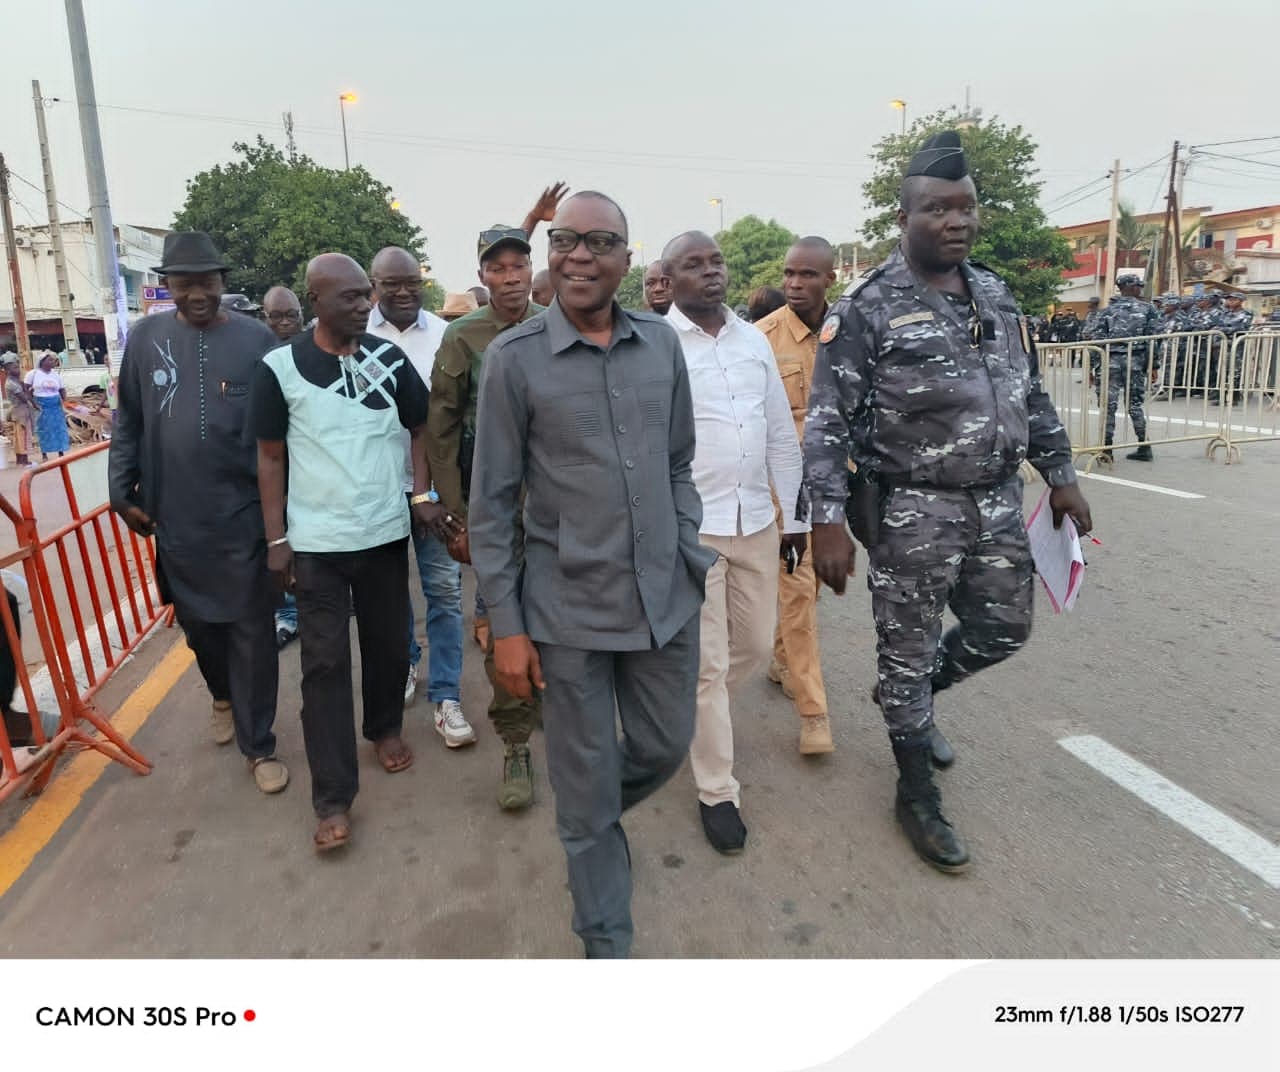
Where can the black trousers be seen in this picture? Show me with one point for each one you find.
(239, 663)
(377, 581)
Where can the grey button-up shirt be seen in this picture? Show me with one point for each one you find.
(603, 441)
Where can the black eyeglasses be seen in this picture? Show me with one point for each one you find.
(563, 240)
(279, 318)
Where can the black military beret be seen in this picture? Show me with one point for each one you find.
(940, 157)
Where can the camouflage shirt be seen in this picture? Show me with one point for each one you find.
(901, 386)
(1205, 319)
(1127, 318)
(1238, 322)
(1090, 328)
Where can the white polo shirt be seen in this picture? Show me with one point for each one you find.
(419, 341)
(746, 437)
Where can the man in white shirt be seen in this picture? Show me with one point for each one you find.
(400, 318)
(746, 442)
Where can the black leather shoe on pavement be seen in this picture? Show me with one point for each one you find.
(723, 827)
(940, 749)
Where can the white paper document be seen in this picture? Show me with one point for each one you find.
(1057, 555)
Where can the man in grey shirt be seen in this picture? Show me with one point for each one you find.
(588, 406)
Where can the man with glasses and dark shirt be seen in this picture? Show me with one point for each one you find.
(588, 406)
(507, 273)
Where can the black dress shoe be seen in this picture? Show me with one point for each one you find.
(723, 827)
(940, 749)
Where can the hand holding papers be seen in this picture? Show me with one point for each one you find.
(1057, 555)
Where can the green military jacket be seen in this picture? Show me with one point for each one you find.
(455, 386)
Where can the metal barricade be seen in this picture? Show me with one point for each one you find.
(1251, 393)
(93, 599)
(1172, 383)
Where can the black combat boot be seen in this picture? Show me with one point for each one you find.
(918, 808)
(1142, 454)
(940, 749)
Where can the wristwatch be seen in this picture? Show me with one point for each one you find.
(431, 496)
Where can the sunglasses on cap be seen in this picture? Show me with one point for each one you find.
(497, 234)
(563, 240)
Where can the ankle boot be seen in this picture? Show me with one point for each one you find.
(1142, 454)
(918, 809)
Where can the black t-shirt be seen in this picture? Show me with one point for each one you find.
(269, 413)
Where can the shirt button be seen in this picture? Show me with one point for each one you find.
(641, 572)
(616, 393)
(635, 499)
(630, 464)
(640, 534)
(622, 428)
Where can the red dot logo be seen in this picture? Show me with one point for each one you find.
(250, 1015)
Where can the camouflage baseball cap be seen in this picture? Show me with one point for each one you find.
(1128, 280)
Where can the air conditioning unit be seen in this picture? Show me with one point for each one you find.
(1265, 222)
(121, 249)
(21, 240)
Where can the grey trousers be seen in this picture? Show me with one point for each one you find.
(596, 776)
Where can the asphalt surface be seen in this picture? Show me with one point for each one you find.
(1171, 655)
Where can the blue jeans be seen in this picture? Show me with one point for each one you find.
(442, 585)
(287, 614)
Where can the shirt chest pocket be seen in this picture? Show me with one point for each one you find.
(579, 424)
(796, 383)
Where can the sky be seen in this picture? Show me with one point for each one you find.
(468, 110)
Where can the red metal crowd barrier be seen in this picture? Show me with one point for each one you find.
(95, 571)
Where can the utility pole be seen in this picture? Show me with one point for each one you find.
(71, 338)
(1109, 283)
(1171, 234)
(114, 310)
(1177, 217)
(290, 146)
(15, 272)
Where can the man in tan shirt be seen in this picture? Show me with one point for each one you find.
(792, 331)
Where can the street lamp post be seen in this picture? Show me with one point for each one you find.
(343, 98)
(901, 105)
(719, 203)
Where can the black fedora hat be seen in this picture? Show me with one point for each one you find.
(190, 252)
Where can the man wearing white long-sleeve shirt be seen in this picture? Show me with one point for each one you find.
(746, 442)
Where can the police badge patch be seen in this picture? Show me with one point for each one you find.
(830, 328)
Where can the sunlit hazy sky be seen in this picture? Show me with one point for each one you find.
(468, 109)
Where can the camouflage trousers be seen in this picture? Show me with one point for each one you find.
(966, 550)
(1133, 382)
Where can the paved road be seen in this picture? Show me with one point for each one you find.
(1171, 656)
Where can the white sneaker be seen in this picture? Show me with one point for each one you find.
(411, 686)
(452, 724)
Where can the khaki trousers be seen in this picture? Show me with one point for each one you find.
(738, 617)
(795, 641)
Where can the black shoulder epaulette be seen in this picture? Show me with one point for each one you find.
(985, 268)
(851, 291)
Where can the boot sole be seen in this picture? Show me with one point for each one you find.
(937, 865)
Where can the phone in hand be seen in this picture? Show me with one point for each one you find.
(789, 557)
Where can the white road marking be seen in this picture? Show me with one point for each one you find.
(1249, 850)
(1143, 487)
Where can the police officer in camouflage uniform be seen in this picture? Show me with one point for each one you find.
(1128, 316)
(1090, 325)
(1168, 323)
(1236, 320)
(926, 379)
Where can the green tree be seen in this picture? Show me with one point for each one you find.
(432, 295)
(1016, 239)
(1131, 232)
(631, 290)
(753, 252)
(269, 215)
